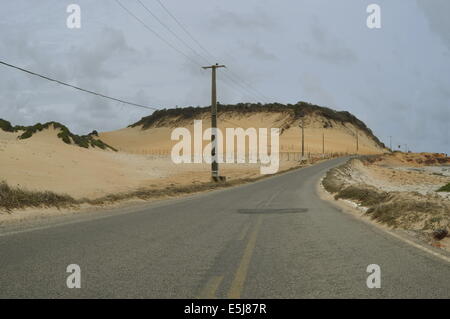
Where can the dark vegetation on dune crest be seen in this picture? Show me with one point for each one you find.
(68, 137)
(296, 111)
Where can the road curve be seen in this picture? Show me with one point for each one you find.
(271, 239)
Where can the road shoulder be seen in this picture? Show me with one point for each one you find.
(352, 209)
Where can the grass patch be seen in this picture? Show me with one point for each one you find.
(331, 181)
(366, 196)
(168, 191)
(14, 198)
(403, 212)
(445, 188)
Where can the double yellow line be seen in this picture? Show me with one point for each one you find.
(237, 285)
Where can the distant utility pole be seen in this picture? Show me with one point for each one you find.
(302, 126)
(357, 142)
(323, 143)
(214, 164)
(390, 143)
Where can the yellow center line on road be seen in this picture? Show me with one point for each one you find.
(241, 273)
(244, 232)
(209, 291)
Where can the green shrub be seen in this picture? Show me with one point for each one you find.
(6, 126)
(445, 188)
(81, 140)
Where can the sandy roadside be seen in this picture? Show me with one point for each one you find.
(44, 162)
(201, 184)
(357, 211)
(395, 193)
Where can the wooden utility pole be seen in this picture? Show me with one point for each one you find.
(302, 126)
(323, 143)
(357, 142)
(390, 143)
(214, 164)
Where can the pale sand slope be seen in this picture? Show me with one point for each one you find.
(338, 139)
(45, 162)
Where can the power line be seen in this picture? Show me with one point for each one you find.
(248, 85)
(251, 90)
(172, 32)
(157, 35)
(76, 87)
(238, 85)
(185, 29)
(186, 44)
(232, 81)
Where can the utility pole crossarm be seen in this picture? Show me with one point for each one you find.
(215, 66)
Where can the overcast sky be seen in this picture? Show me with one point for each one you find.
(396, 79)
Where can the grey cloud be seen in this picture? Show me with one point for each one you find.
(315, 91)
(242, 21)
(92, 57)
(98, 60)
(384, 78)
(257, 51)
(325, 46)
(437, 14)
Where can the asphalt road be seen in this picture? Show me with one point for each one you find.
(271, 239)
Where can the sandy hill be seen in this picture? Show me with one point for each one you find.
(49, 157)
(62, 132)
(324, 128)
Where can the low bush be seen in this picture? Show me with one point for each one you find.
(14, 197)
(445, 188)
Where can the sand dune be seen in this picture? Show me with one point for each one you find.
(338, 139)
(45, 162)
